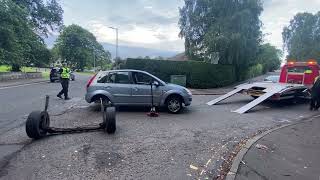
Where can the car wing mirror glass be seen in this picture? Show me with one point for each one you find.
(156, 83)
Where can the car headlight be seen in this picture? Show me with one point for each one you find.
(188, 91)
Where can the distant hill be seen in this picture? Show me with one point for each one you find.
(126, 51)
(179, 57)
(133, 52)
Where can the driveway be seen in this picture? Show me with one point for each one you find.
(191, 145)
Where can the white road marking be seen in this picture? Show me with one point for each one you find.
(208, 163)
(22, 85)
(202, 172)
(193, 167)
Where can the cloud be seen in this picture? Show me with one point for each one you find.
(140, 36)
(278, 13)
(154, 23)
(146, 23)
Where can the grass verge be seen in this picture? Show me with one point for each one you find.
(5, 68)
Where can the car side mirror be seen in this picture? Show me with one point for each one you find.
(156, 83)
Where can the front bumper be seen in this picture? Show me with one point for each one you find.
(187, 100)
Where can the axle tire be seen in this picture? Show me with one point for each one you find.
(37, 124)
(110, 120)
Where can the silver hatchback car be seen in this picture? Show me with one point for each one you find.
(133, 88)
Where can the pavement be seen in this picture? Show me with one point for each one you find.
(289, 153)
(19, 98)
(190, 145)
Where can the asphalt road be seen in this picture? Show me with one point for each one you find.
(191, 145)
(17, 102)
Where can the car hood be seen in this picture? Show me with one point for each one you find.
(175, 86)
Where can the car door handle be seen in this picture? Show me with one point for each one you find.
(135, 89)
(108, 87)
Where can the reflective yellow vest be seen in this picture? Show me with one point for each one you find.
(65, 73)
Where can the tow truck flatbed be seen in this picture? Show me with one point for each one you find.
(295, 81)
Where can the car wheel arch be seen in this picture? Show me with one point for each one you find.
(174, 95)
(98, 96)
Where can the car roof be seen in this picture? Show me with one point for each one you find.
(121, 70)
(132, 70)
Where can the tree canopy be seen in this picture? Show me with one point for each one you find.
(269, 57)
(19, 45)
(79, 47)
(22, 22)
(226, 31)
(302, 37)
(44, 15)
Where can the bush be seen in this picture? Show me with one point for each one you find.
(254, 71)
(199, 74)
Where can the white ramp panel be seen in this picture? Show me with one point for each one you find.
(269, 92)
(221, 98)
(235, 91)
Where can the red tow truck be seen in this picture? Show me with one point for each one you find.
(296, 79)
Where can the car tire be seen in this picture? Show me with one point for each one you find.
(37, 124)
(174, 104)
(110, 120)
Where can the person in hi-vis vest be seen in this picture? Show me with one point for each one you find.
(64, 78)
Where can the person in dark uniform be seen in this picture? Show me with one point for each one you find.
(65, 76)
(315, 95)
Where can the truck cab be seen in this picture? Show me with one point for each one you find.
(303, 73)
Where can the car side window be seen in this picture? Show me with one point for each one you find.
(142, 78)
(104, 78)
(121, 78)
(115, 78)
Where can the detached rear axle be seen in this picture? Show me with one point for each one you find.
(38, 123)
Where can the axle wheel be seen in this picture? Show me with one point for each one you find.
(37, 124)
(109, 120)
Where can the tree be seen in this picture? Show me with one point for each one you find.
(19, 45)
(159, 58)
(225, 30)
(79, 47)
(44, 15)
(302, 37)
(269, 57)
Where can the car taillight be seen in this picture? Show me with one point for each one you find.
(90, 81)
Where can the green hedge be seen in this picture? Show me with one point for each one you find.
(254, 71)
(199, 74)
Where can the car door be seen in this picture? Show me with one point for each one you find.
(141, 91)
(119, 85)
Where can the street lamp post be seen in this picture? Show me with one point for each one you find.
(117, 40)
(94, 61)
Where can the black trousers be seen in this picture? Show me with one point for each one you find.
(65, 87)
(315, 103)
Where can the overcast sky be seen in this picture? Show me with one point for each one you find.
(154, 23)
